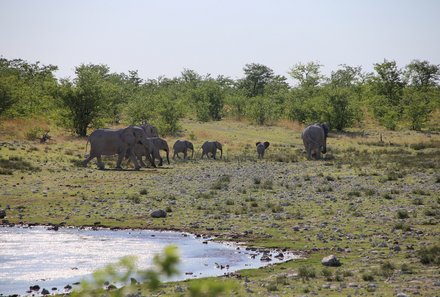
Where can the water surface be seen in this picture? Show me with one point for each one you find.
(53, 259)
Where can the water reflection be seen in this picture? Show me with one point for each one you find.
(30, 256)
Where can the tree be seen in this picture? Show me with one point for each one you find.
(84, 98)
(6, 99)
(262, 110)
(27, 88)
(421, 74)
(343, 91)
(419, 95)
(307, 75)
(387, 86)
(257, 76)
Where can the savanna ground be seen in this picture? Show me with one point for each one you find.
(374, 204)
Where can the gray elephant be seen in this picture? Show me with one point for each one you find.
(150, 130)
(119, 142)
(261, 147)
(212, 147)
(182, 146)
(315, 140)
(154, 145)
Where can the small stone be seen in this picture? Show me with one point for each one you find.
(179, 289)
(266, 258)
(35, 288)
(159, 214)
(2, 213)
(401, 295)
(330, 261)
(45, 292)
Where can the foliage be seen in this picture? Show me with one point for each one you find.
(262, 110)
(123, 273)
(84, 98)
(257, 76)
(26, 88)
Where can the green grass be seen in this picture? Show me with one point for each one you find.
(362, 196)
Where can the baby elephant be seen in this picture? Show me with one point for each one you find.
(211, 147)
(261, 147)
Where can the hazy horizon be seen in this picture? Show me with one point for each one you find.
(218, 37)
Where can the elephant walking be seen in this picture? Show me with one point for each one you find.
(315, 140)
(182, 146)
(261, 147)
(119, 142)
(212, 147)
(154, 145)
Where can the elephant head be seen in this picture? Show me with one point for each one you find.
(218, 146)
(325, 128)
(261, 147)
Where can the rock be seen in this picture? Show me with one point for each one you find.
(265, 258)
(296, 228)
(35, 288)
(330, 261)
(397, 248)
(45, 292)
(401, 295)
(159, 214)
(67, 287)
(2, 213)
(280, 256)
(179, 289)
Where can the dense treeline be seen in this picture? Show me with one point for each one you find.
(98, 97)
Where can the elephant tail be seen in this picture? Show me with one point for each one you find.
(87, 143)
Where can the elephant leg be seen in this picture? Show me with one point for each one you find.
(119, 161)
(318, 154)
(160, 161)
(174, 156)
(141, 162)
(309, 154)
(213, 155)
(134, 160)
(184, 155)
(99, 162)
(151, 160)
(88, 159)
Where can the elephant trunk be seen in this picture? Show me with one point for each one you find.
(324, 146)
(192, 154)
(221, 153)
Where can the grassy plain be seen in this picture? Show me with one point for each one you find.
(374, 202)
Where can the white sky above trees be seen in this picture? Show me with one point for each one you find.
(218, 37)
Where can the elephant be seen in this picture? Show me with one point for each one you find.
(182, 146)
(150, 130)
(115, 142)
(261, 147)
(315, 140)
(154, 145)
(212, 147)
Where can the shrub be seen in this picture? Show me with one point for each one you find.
(387, 269)
(34, 133)
(368, 277)
(430, 255)
(327, 273)
(306, 272)
(143, 192)
(402, 214)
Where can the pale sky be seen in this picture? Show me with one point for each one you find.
(218, 37)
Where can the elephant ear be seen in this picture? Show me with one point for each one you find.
(266, 144)
(257, 143)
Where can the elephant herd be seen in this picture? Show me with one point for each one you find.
(135, 142)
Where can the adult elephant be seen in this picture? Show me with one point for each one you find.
(315, 140)
(182, 146)
(107, 142)
(261, 148)
(212, 147)
(150, 130)
(154, 145)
